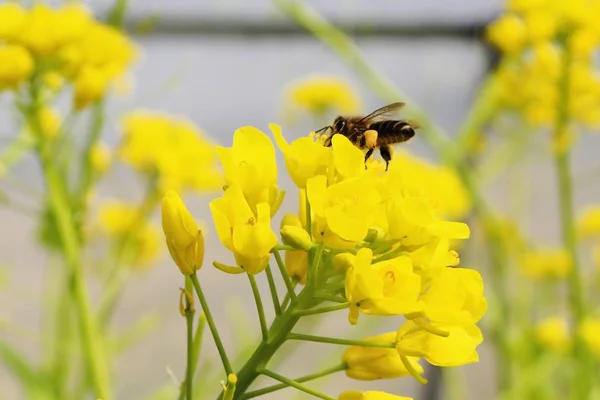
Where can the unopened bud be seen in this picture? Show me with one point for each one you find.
(292, 220)
(374, 234)
(296, 237)
(343, 261)
(184, 241)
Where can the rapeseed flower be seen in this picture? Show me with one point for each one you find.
(171, 148)
(588, 223)
(370, 395)
(322, 94)
(589, 331)
(16, 65)
(544, 263)
(552, 333)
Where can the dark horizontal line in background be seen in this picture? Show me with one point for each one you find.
(160, 25)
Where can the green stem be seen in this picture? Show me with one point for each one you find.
(344, 342)
(17, 149)
(287, 299)
(322, 310)
(389, 255)
(313, 271)
(295, 384)
(189, 322)
(306, 378)
(273, 290)
(211, 325)
(91, 342)
(582, 385)
(286, 278)
(308, 217)
(333, 299)
(259, 307)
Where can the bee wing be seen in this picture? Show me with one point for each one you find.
(382, 112)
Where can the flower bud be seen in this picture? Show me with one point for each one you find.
(184, 241)
(296, 264)
(371, 363)
(291, 219)
(296, 237)
(343, 261)
(370, 395)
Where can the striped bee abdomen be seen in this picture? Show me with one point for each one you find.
(390, 132)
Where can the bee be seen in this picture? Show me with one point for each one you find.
(374, 131)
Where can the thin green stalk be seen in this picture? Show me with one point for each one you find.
(288, 299)
(333, 299)
(313, 271)
(389, 255)
(581, 387)
(211, 325)
(189, 322)
(273, 290)
(286, 278)
(306, 378)
(308, 217)
(344, 342)
(91, 342)
(322, 310)
(295, 384)
(259, 307)
(17, 149)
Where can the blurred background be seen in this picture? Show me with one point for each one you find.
(226, 64)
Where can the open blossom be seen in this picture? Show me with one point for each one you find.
(248, 235)
(250, 165)
(386, 288)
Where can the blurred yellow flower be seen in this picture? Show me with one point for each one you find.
(122, 221)
(588, 223)
(184, 240)
(370, 395)
(589, 331)
(16, 65)
(12, 17)
(508, 33)
(370, 363)
(321, 94)
(100, 157)
(173, 148)
(552, 333)
(546, 263)
(50, 122)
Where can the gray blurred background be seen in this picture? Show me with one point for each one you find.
(225, 64)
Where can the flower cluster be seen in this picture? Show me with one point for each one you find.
(54, 45)
(372, 237)
(171, 149)
(535, 36)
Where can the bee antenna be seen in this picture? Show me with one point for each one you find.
(324, 129)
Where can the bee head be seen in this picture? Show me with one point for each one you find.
(339, 124)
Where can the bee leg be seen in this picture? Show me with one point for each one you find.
(386, 154)
(369, 153)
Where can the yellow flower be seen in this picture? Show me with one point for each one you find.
(90, 85)
(588, 223)
(411, 220)
(247, 235)
(173, 148)
(16, 65)
(321, 94)
(117, 218)
(385, 288)
(348, 159)
(304, 158)
(589, 331)
(546, 263)
(50, 122)
(100, 157)
(184, 240)
(552, 334)
(455, 297)
(370, 363)
(12, 16)
(250, 165)
(541, 26)
(343, 212)
(439, 185)
(296, 237)
(370, 395)
(458, 348)
(508, 33)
